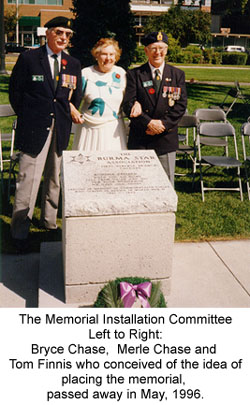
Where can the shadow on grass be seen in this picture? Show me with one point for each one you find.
(37, 235)
(4, 83)
(206, 94)
(199, 92)
(4, 79)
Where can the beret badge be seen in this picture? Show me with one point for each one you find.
(159, 36)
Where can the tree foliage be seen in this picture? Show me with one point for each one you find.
(10, 21)
(187, 26)
(232, 7)
(97, 19)
(244, 6)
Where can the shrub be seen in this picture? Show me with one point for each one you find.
(248, 60)
(197, 58)
(216, 58)
(140, 56)
(234, 58)
(188, 56)
(219, 49)
(208, 55)
(193, 48)
(180, 58)
(173, 53)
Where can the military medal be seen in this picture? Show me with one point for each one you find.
(170, 96)
(165, 89)
(70, 94)
(174, 94)
(69, 81)
(178, 93)
(171, 101)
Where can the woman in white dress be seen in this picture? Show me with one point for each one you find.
(102, 126)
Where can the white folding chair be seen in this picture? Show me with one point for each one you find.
(245, 134)
(211, 130)
(6, 111)
(187, 148)
(212, 115)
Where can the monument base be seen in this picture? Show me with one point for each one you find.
(118, 212)
(52, 291)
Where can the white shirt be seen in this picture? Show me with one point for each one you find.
(153, 69)
(52, 60)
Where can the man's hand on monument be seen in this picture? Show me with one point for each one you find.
(155, 127)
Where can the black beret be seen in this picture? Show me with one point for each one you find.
(154, 37)
(63, 22)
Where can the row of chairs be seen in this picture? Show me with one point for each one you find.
(211, 128)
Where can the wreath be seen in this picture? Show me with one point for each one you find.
(123, 292)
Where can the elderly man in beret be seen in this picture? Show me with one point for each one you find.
(155, 100)
(43, 84)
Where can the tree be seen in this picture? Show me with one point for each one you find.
(234, 15)
(231, 7)
(10, 21)
(184, 25)
(96, 19)
(244, 5)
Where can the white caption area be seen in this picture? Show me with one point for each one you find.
(143, 356)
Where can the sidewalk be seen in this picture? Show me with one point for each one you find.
(207, 274)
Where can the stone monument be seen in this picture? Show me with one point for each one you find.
(118, 221)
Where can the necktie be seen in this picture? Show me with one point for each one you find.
(56, 70)
(157, 81)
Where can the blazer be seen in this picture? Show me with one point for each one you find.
(37, 103)
(169, 106)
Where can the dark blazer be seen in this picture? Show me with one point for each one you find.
(140, 88)
(36, 103)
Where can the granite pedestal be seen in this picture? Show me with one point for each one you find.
(118, 221)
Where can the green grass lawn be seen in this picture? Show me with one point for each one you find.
(221, 216)
(218, 75)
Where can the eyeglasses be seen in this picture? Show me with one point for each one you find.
(155, 49)
(60, 33)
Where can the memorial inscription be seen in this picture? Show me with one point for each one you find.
(103, 183)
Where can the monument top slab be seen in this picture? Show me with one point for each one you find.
(113, 183)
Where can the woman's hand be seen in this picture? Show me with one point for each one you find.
(136, 110)
(75, 115)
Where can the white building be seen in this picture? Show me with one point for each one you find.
(143, 9)
(203, 4)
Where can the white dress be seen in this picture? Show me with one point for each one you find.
(103, 127)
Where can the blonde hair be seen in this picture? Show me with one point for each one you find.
(103, 43)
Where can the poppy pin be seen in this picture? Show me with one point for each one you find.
(117, 76)
(64, 62)
(151, 91)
